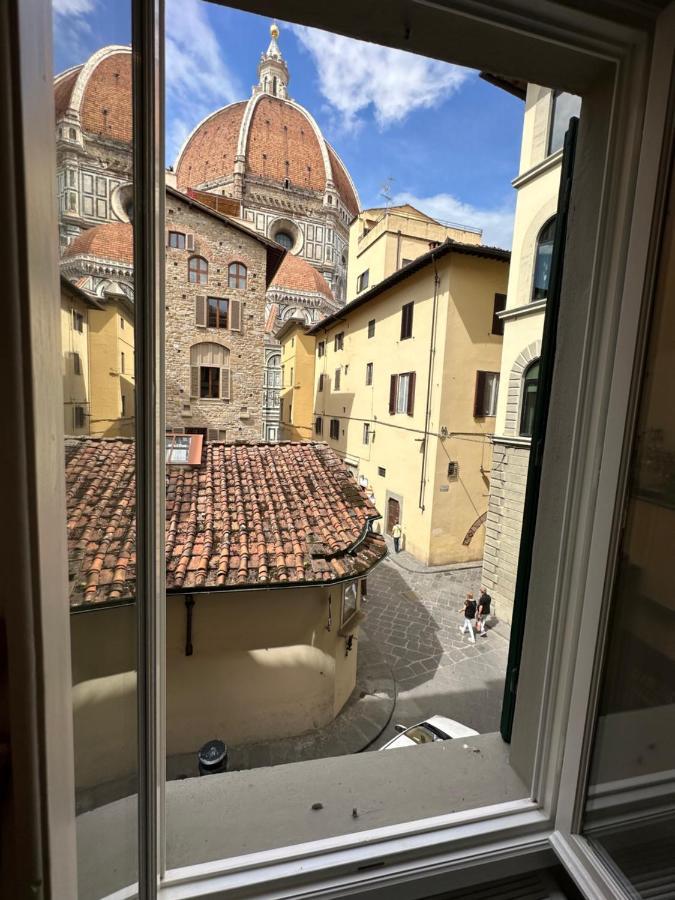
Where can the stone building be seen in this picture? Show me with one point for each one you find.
(547, 115)
(93, 141)
(217, 275)
(269, 153)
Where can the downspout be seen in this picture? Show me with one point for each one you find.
(427, 413)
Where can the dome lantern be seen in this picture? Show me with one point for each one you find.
(273, 74)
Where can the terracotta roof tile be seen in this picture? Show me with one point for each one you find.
(295, 274)
(111, 240)
(252, 514)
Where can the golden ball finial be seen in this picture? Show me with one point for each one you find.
(274, 30)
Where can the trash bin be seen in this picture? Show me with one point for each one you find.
(212, 758)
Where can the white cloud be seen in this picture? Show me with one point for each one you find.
(197, 79)
(496, 223)
(73, 7)
(354, 75)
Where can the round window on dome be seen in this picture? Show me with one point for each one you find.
(284, 238)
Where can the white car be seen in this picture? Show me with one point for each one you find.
(436, 728)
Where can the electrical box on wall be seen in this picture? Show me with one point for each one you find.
(453, 470)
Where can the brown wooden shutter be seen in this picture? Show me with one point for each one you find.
(393, 390)
(200, 310)
(225, 386)
(411, 394)
(189, 242)
(500, 306)
(167, 232)
(194, 381)
(479, 396)
(211, 434)
(235, 315)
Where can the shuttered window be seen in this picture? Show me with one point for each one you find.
(402, 394)
(210, 376)
(321, 348)
(335, 429)
(337, 379)
(406, 321)
(369, 373)
(217, 313)
(176, 239)
(318, 425)
(499, 306)
(321, 379)
(485, 396)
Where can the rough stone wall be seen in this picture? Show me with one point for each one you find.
(220, 244)
(503, 525)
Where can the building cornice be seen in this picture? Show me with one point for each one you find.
(555, 159)
(520, 312)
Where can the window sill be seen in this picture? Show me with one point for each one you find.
(414, 798)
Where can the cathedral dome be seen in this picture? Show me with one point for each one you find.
(268, 138)
(112, 241)
(97, 95)
(297, 277)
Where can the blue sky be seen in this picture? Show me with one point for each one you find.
(442, 138)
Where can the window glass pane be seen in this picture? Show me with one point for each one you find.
(542, 264)
(96, 238)
(565, 106)
(629, 804)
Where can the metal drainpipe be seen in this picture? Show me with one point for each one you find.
(427, 414)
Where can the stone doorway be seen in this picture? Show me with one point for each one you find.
(393, 513)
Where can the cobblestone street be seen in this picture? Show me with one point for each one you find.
(413, 617)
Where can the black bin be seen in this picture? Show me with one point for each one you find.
(212, 758)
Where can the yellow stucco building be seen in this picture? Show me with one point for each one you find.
(383, 240)
(297, 380)
(405, 390)
(76, 306)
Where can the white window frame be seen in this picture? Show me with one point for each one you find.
(592, 57)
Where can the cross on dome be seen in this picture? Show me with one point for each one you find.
(272, 69)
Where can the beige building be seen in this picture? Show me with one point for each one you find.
(383, 240)
(547, 114)
(298, 362)
(263, 601)
(406, 386)
(100, 262)
(76, 306)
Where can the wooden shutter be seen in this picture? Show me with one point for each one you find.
(500, 306)
(194, 381)
(200, 310)
(189, 242)
(211, 434)
(411, 394)
(225, 386)
(393, 390)
(235, 315)
(479, 396)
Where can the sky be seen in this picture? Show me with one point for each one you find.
(435, 134)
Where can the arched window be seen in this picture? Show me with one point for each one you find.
(529, 398)
(542, 260)
(198, 270)
(236, 275)
(210, 371)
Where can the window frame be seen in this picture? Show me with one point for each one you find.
(178, 234)
(481, 409)
(407, 317)
(197, 272)
(362, 281)
(369, 374)
(334, 427)
(371, 328)
(525, 381)
(238, 276)
(218, 301)
(622, 47)
(537, 244)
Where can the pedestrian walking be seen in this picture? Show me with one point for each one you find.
(396, 534)
(484, 602)
(469, 610)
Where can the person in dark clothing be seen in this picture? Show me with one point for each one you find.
(469, 614)
(484, 602)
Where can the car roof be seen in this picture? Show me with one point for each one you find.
(450, 726)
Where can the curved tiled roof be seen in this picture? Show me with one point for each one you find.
(212, 147)
(111, 240)
(100, 91)
(250, 515)
(296, 275)
(278, 139)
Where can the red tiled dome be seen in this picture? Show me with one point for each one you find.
(296, 275)
(279, 140)
(113, 240)
(100, 91)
